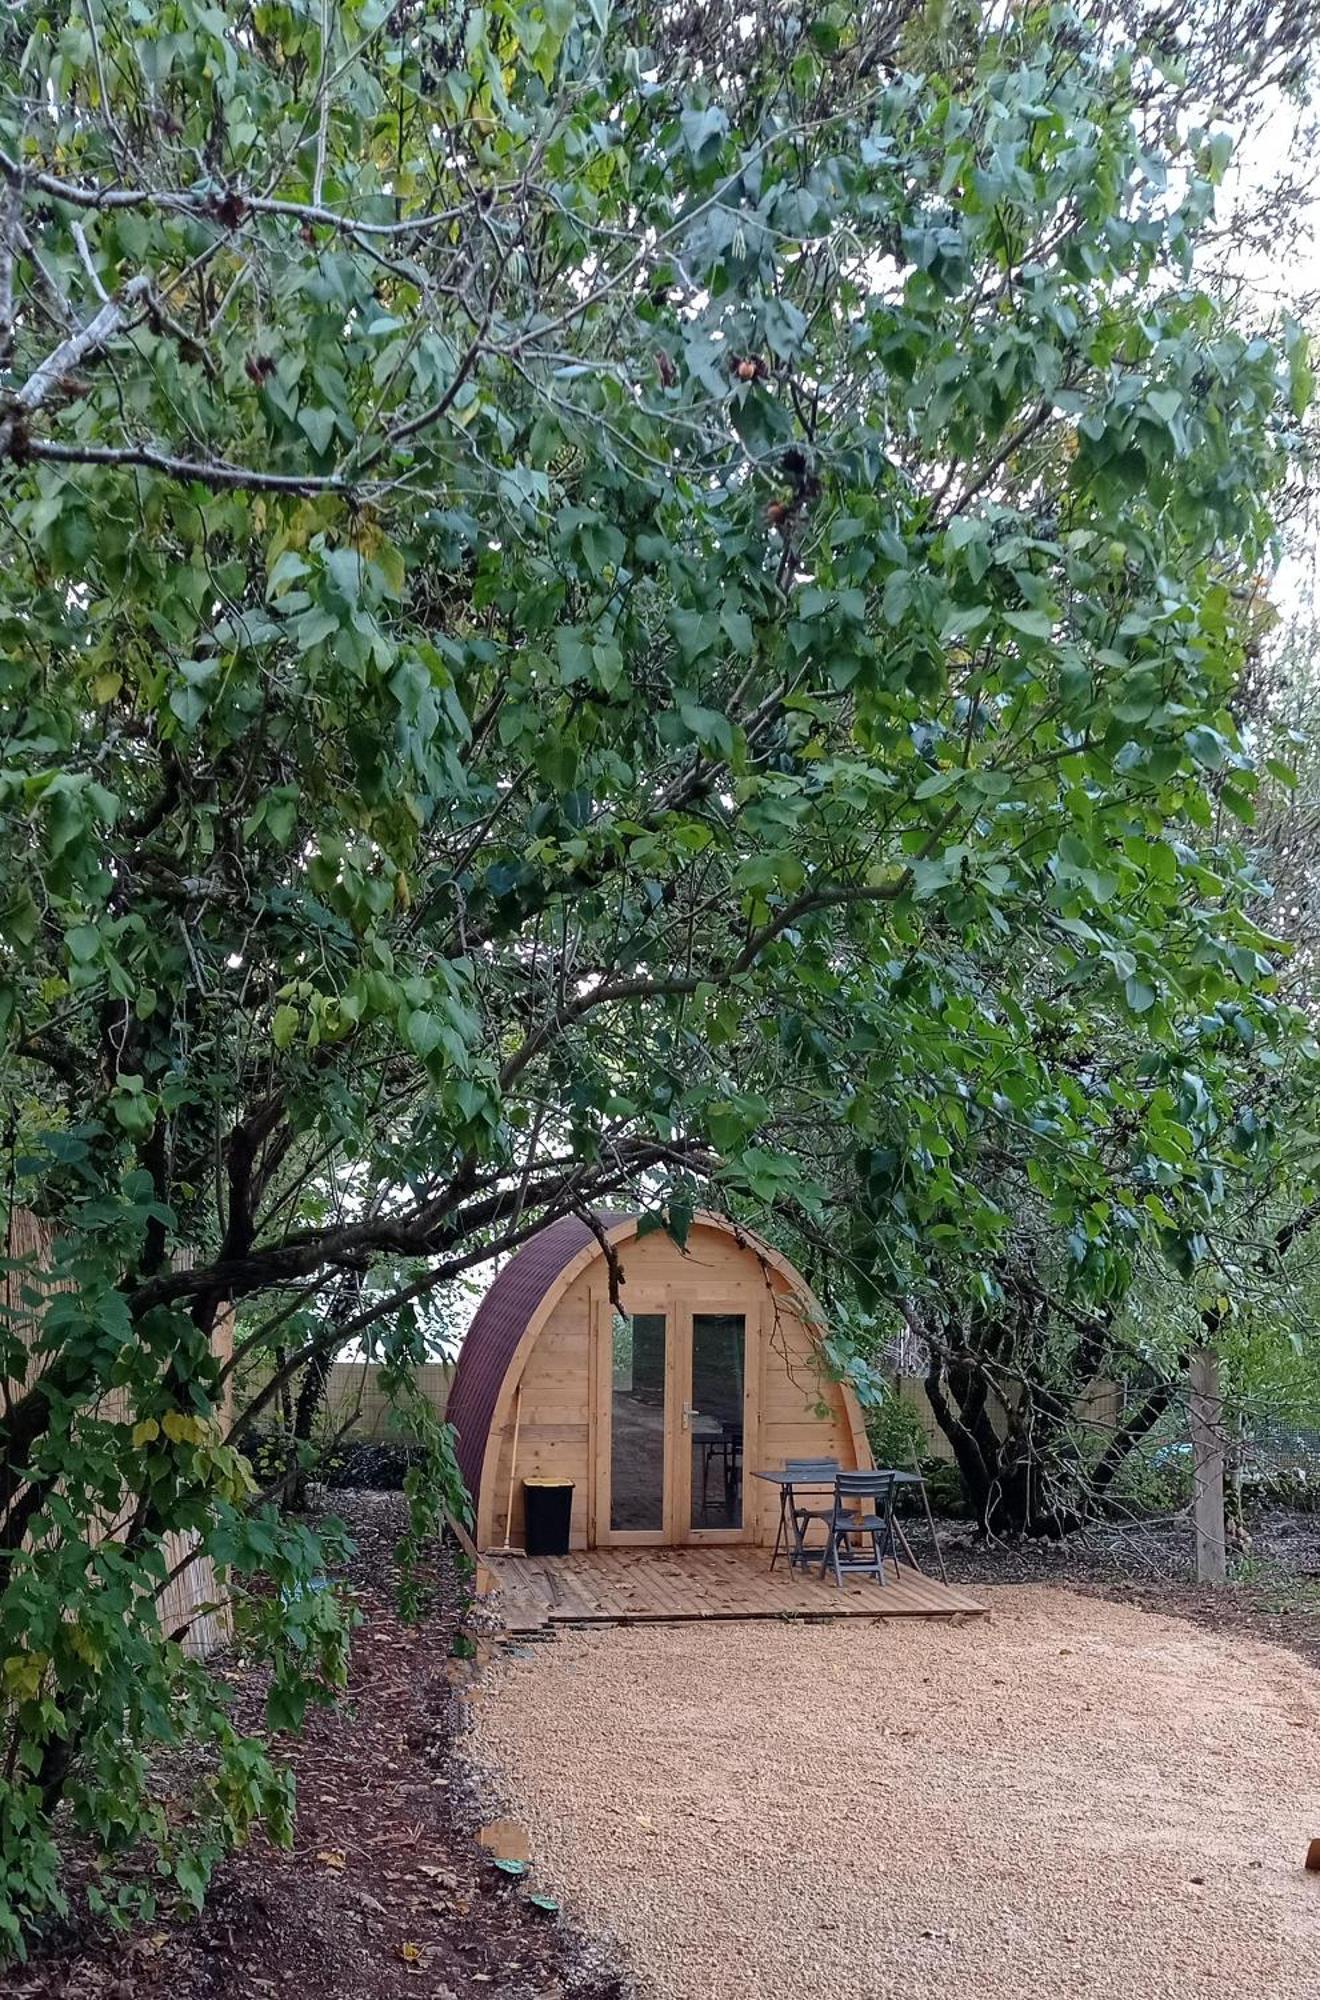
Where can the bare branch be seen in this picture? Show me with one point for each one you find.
(214, 472)
(322, 106)
(79, 235)
(63, 360)
(9, 240)
(213, 205)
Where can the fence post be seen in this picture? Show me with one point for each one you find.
(1205, 1409)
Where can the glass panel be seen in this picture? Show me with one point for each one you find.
(637, 1422)
(719, 1352)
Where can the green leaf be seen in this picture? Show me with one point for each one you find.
(20, 919)
(961, 620)
(318, 427)
(132, 1110)
(712, 730)
(738, 626)
(84, 943)
(1207, 746)
(574, 650)
(315, 627)
(1031, 624)
(423, 1032)
(284, 1026)
(345, 569)
(1166, 403)
(703, 128)
(607, 661)
(940, 782)
(992, 784)
(1100, 883)
(783, 870)
(189, 704)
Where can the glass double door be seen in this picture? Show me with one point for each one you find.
(675, 1412)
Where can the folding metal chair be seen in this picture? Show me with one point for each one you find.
(876, 1523)
(728, 1449)
(794, 1518)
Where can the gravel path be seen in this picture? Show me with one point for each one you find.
(1070, 1798)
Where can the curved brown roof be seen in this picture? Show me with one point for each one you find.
(499, 1324)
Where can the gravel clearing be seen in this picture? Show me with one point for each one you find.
(1067, 1799)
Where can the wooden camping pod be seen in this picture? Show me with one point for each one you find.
(736, 1382)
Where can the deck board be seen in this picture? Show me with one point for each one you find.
(671, 1586)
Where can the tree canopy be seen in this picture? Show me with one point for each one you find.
(593, 599)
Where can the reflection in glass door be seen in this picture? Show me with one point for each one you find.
(637, 1422)
(715, 1417)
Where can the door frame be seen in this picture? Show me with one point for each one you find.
(689, 1303)
(634, 1300)
(679, 1304)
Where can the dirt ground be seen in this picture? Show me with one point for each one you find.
(1071, 1797)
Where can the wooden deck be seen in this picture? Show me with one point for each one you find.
(671, 1586)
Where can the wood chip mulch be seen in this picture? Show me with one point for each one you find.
(386, 1895)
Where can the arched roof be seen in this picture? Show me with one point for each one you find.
(497, 1327)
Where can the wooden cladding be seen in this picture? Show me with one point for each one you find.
(559, 1385)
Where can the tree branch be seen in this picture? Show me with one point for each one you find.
(66, 359)
(421, 1233)
(215, 473)
(9, 235)
(216, 204)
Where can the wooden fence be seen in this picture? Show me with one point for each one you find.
(1099, 1407)
(193, 1604)
(356, 1406)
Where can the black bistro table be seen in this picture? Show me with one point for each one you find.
(790, 1482)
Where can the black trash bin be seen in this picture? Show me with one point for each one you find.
(547, 1516)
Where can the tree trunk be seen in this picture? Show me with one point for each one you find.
(1031, 1480)
(968, 1442)
(311, 1394)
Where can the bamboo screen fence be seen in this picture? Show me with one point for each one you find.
(192, 1605)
